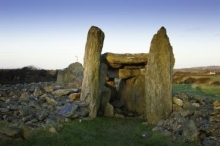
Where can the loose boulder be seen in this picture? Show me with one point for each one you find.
(131, 94)
(71, 76)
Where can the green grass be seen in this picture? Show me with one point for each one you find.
(99, 132)
(204, 90)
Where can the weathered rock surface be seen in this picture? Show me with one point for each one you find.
(192, 123)
(69, 111)
(104, 97)
(29, 106)
(109, 110)
(90, 84)
(159, 71)
(74, 96)
(123, 73)
(112, 86)
(132, 95)
(71, 76)
(62, 92)
(121, 60)
(104, 91)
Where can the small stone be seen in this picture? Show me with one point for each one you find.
(216, 103)
(74, 96)
(145, 134)
(62, 92)
(183, 97)
(39, 91)
(119, 116)
(25, 111)
(3, 99)
(69, 111)
(109, 110)
(51, 101)
(198, 98)
(24, 96)
(197, 105)
(42, 115)
(178, 101)
(52, 130)
(49, 88)
(186, 112)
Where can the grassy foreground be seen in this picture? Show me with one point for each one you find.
(210, 91)
(99, 132)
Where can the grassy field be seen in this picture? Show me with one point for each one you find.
(99, 132)
(204, 90)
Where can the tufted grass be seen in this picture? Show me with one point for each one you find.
(99, 132)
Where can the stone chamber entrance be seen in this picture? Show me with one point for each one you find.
(145, 78)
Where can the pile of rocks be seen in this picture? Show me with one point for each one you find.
(37, 105)
(193, 119)
(26, 107)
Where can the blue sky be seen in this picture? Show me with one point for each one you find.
(49, 34)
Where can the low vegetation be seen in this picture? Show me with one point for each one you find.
(99, 132)
(28, 74)
(204, 90)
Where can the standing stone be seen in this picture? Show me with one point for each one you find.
(158, 81)
(90, 84)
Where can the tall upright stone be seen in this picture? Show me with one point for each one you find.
(158, 79)
(90, 84)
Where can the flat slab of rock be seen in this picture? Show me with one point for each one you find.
(120, 60)
(62, 92)
(69, 111)
(123, 73)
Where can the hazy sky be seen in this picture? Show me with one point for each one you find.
(49, 34)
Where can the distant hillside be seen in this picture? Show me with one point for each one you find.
(199, 69)
(198, 75)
